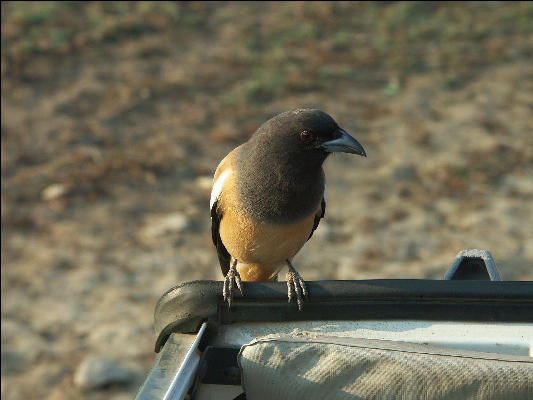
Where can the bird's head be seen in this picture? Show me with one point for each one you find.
(308, 135)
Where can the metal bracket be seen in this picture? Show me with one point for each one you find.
(175, 368)
(473, 264)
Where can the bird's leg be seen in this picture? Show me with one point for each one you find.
(231, 278)
(295, 286)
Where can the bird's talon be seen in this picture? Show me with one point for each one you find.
(232, 278)
(239, 282)
(290, 290)
(304, 289)
(296, 286)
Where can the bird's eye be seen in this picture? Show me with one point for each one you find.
(306, 136)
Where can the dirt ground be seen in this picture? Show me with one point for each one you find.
(115, 116)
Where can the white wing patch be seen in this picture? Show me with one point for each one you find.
(217, 187)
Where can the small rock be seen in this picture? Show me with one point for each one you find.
(163, 225)
(204, 182)
(54, 191)
(97, 371)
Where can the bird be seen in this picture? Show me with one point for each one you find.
(269, 195)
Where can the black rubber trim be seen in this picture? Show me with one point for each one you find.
(184, 307)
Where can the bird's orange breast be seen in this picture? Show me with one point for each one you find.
(260, 247)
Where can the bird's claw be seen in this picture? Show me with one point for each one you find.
(296, 286)
(231, 279)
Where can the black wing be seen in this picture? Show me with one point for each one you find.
(318, 217)
(223, 256)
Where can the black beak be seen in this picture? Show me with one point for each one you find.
(344, 143)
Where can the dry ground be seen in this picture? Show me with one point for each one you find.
(115, 115)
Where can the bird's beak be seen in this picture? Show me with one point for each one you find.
(344, 143)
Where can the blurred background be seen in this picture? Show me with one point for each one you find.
(116, 114)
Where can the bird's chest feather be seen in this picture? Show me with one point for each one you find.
(254, 240)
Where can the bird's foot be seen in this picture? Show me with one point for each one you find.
(231, 279)
(296, 286)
